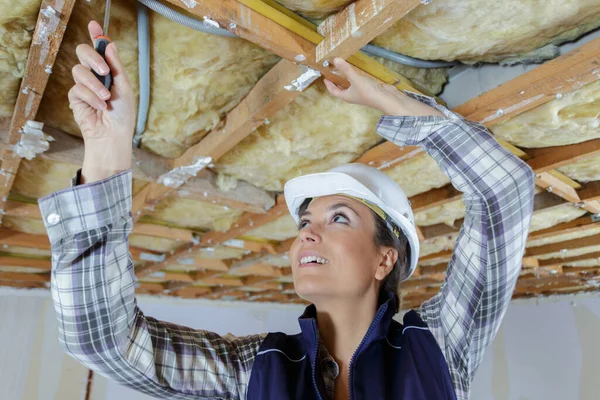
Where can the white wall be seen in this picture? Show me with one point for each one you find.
(545, 350)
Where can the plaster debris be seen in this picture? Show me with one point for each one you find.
(211, 22)
(153, 258)
(33, 141)
(189, 3)
(308, 76)
(178, 176)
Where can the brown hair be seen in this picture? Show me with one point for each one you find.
(385, 238)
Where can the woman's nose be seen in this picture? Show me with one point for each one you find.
(309, 234)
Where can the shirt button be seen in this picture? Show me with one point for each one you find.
(53, 219)
(396, 122)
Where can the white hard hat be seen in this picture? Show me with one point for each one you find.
(365, 183)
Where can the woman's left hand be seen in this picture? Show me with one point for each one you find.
(365, 90)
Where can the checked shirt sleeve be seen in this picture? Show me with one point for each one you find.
(99, 322)
(498, 190)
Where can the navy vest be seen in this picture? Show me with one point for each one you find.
(394, 361)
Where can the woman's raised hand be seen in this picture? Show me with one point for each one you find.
(106, 119)
(366, 91)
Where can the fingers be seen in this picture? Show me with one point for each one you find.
(334, 89)
(345, 68)
(95, 30)
(81, 94)
(117, 68)
(89, 58)
(83, 76)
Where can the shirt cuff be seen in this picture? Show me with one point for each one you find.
(86, 207)
(411, 130)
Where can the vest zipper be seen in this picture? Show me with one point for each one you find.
(315, 358)
(373, 324)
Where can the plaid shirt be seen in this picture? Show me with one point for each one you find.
(101, 325)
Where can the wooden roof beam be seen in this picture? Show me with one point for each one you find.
(47, 38)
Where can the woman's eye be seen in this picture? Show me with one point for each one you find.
(302, 224)
(340, 218)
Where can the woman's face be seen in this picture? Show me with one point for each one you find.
(335, 254)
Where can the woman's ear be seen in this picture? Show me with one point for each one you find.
(387, 260)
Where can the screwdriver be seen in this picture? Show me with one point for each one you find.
(101, 43)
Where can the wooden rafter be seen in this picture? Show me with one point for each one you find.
(47, 38)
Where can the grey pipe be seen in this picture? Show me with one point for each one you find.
(402, 59)
(182, 19)
(144, 72)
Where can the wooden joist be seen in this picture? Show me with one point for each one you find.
(25, 262)
(47, 38)
(563, 246)
(246, 223)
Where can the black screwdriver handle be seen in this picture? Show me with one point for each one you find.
(101, 43)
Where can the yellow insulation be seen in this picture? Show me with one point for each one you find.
(573, 118)
(563, 237)
(437, 245)
(26, 225)
(154, 243)
(593, 262)
(39, 177)
(483, 30)
(280, 229)
(186, 213)
(312, 134)
(570, 252)
(553, 216)
(446, 214)
(17, 23)
(417, 175)
(585, 170)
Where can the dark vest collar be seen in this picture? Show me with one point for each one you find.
(378, 330)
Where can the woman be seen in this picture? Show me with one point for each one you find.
(356, 242)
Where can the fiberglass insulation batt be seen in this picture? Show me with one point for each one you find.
(478, 30)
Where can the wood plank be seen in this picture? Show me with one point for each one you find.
(568, 260)
(24, 277)
(387, 154)
(577, 225)
(47, 38)
(434, 198)
(556, 186)
(563, 74)
(202, 263)
(34, 263)
(179, 234)
(547, 158)
(246, 223)
(569, 244)
(590, 192)
(22, 210)
(357, 24)
(11, 238)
